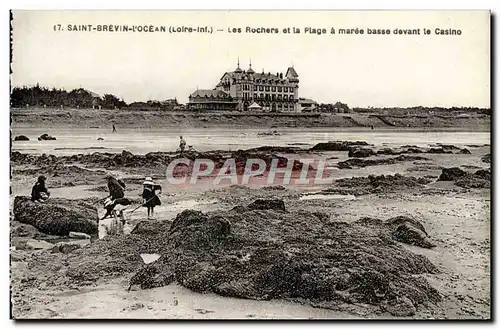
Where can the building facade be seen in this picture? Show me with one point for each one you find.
(211, 100)
(273, 92)
(239, 89)
(307, 105)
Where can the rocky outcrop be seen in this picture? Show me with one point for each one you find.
(451, 174)
(479, 179)
(57, 216)
(376, 184)
(263, 204)
(337, 146)
(267, 254)
(355, 152)
(356, 162)
(21, 138)
(46, 137)
(486, 158)
(65, 247)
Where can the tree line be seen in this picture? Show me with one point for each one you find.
(53, 97)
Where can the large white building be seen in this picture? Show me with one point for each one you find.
(273, 92)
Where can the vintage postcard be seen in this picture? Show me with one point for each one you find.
(250, 165)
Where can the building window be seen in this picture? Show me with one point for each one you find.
(254, 95)
(279, 89)
(285, 97)
(291, 97)
(267, 88)
(267, 97)
(279, 97)
(285, 89)
(273, 97)
(261, 88)
(274, 88)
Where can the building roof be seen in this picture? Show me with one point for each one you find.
(209, 93)
(255, 76)
(306, 101)
(292, 72)
(255, 106)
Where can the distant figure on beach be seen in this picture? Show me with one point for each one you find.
(116, 196)
(182, 144)
(39, 192)
(114, 128)
(151, 200)
(372, 127)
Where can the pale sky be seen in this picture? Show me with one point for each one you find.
(360, 70)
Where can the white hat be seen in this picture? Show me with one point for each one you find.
(148, 181)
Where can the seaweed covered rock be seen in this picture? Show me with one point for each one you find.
(337, 146)
(401, 150)
(486, 158)
(66, 247)
(266, 254)
(46, 137)
(439, 150)
(464, 151)
(376, 184)
(410, 234)
(57, 216)
(451, 174)
(401, 228)
(193, 229)
(484, 174)
(357, 162)
(21, 138)
(480, 179)
(360, 152)
(262, 204)
(148, 227)
(111, 256)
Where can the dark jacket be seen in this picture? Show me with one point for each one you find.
(149, 195)
(37, 189)
(116, 189)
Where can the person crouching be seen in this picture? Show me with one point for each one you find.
(39, 192)
(151, 200)
(116, 196)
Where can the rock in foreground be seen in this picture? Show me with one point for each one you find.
(267, 254)
(57, 216)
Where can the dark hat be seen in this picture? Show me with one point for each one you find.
(42, 178)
